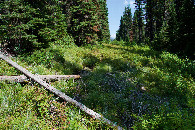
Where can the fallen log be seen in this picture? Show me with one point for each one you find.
(23, 78)
(58, 92)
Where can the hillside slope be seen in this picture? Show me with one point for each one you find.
(133, 86)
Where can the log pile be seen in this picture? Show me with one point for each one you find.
(58, 92)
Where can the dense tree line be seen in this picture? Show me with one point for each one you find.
(87, 20)
(27, 24)
(31, 24)
(165, 25)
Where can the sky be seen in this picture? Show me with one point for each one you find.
(115, 11)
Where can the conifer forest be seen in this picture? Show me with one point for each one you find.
(59, 68)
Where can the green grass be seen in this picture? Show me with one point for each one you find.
(29, 106)
(112, 78)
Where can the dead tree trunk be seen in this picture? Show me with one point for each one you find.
(23, 78)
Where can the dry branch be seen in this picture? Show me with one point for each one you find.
(58, 92)
(23, 78)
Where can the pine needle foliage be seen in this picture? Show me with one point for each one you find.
(35, 24)
(87, 21)
(31, 24)
(125, 29)
(165, 25)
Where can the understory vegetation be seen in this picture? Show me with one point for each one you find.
(144, 79)
(131, 85)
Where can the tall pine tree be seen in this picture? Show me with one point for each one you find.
(125, 29)
(87, 20)
(149, 19)
(183, 28)
(31, 24)
(104, 33)
(135, 26)
(170, 25)
(139, 13)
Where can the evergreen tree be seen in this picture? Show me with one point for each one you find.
(170, 25)
(104, 32)
(119, 34)
(139, 8)
(135, 26)
(156, 22)
(149, 19)
(29, 24)
(184, 26)
(125, 29)
(88, 21)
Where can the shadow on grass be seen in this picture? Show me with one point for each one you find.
(116, 97)
(166, 61)
(110, 90)
(64, 65)
(52, 59)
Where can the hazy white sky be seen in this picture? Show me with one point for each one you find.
(115, 10)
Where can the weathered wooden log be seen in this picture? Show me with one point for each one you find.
(23, 78)
(19, 79)
(58, 92)
(58, 77)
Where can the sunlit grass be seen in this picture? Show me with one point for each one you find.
(133, 85)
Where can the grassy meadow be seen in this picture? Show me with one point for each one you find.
(131, 85)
